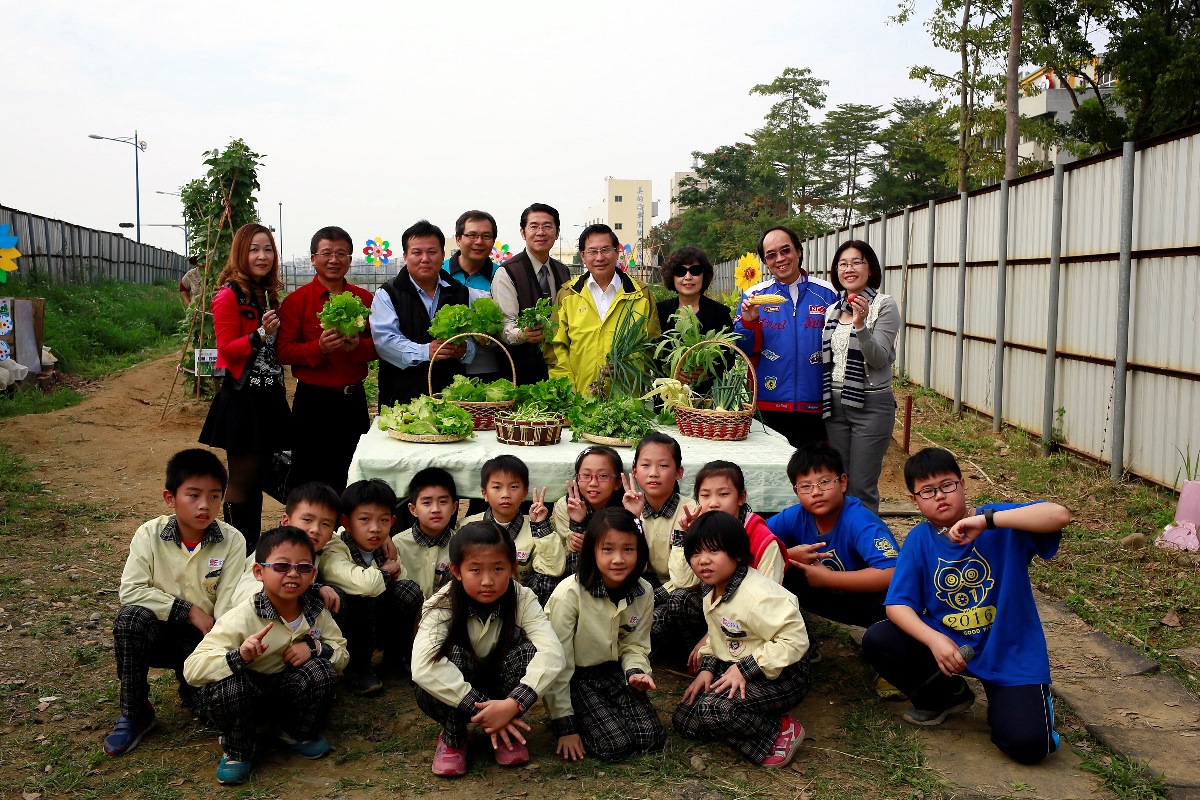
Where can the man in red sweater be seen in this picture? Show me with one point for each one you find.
(329, 411)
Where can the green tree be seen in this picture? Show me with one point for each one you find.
(1153, 51)
(851, 132)
(916, 144)
(978, 31)
(215, 206)
(790, 142)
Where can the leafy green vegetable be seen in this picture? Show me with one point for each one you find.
(470, 390)
(491, 318)
(532, 411)
(451, 320)
(344, 313)
(686, 333)
(539, 316)
(425, 415)
(482, 316)
(729, 391)
(626, 369)
(555, 393)
(626, 418)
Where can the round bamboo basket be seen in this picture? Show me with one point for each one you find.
(483, 414)
(720, 426)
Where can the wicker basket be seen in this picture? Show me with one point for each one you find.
(482, 413)
(608, 440)
(425, 438)
(720, 426)
(528, 434)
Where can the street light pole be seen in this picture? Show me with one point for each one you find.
(281, 227)
(186, 238)
(137, 178)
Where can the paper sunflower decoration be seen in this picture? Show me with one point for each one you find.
(500, 253)
(748, 272)
(8, 253)
(378, 251)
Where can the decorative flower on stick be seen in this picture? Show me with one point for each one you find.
(500, 253)
(749, 271)
(8, 253)
(378, 251)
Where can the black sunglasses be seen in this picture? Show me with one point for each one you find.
(694, 269)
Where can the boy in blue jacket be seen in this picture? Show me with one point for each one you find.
(960, 594)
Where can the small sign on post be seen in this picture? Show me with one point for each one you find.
(206, 364)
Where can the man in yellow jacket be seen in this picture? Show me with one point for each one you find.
(588, 310)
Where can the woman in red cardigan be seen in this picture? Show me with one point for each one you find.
(249, 418)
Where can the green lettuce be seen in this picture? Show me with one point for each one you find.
(344, 313)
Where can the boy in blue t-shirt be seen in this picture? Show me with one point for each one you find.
(963, 580)
(840, 554)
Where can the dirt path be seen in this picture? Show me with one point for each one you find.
(110, 450)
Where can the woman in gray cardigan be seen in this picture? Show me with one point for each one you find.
(858, 347)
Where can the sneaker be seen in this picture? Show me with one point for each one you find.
(450, 762)
(791, 734)
(886, 690)
(233, 773)
(365, 683)
(128, 732)
(513, 756)
(927, 718)
(312, 748)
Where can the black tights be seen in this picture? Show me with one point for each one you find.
(243, 497)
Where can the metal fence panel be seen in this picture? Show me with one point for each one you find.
(1162, 420)
(60, 252)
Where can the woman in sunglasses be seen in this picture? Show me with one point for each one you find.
(688, 272)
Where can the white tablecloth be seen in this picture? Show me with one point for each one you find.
(763, 457)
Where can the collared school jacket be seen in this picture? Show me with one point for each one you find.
(660, 532)
(162, 576)
(785, 343)
(755, 624)
(428, 567)
(339, 569)
(443, 680)
(219, 656)
(593, 630)
(582, 341)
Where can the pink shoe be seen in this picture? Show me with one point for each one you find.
(513, 756)
(450, 762)
(791, 734)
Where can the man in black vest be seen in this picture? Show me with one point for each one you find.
(521, 281)
(402, 311)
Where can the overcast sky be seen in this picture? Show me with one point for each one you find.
(373, 115)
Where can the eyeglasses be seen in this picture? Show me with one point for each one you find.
(284, 567)
(340, 255)
(945, 487)
(592, 252)
(857, 262)
(691, 269)
(475, 237)
(783, 252)
(598, 477)
(810, 488)
(548, 227)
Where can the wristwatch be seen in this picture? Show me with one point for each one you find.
(988, 514)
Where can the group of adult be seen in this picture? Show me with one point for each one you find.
(823, 353)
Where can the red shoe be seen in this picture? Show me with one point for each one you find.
(513, 756)
(791, 734)
(449, 762)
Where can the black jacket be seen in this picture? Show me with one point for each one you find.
(402, 385)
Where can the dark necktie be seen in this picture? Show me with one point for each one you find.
(544, 280)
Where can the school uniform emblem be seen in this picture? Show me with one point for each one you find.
(885, 547)
(315, 633)
(734, 646)
(523, 555)
(771, 382)
(732, 628)
(216, 563)
(633, 621)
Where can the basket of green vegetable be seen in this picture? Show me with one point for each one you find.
(616, 423)
(481, 401)
(427, 420)
(530, 424)
(725, 414)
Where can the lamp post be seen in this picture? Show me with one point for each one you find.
(186, 237)
(137, 182)
(182, 226)
(280, 226)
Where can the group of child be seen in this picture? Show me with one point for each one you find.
(568, 604)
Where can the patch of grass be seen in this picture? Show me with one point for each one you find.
(1125, 592)
(1124, 777)
(95, 329)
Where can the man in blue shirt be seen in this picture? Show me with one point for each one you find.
(472, 266)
